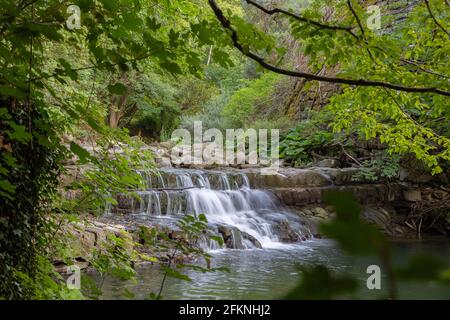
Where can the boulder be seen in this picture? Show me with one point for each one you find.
(236, 239)
(231, 237)
(163, 162)
(377, 217)
(225, 232)
(167, 144)
(285, 233)
(440, 194)
(80, 243)
(328, 163)
(83, 239)
(124, 202)
(412, 195)
(321, 213)
(252, 239)
(341, 176)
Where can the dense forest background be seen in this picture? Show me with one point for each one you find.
(141, 69)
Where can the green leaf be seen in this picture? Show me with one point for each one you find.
(355, 238)
(7, 186)
(218, 239)
(19, 133)
(95, 125)
(82, 153)
(352, 234)
(109, 5)
(4, 113)
(344, 204)
(118, 89)
(176, 274)
(171, 67)
(320, 283)
(422, 267)
(12, 92)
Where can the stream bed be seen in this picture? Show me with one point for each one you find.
(271, 273)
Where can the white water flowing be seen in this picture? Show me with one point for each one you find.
(225, 198)
(233, 208)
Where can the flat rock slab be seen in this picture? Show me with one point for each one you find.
(267, 178)
(365, 194)
(287, 177)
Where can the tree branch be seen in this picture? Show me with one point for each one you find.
(419, 67)
(301, 18)
(25, 5)
(344, 28)
(357, 82)
(13, 18)
(350, 6)
(427, 3)
(95, 66)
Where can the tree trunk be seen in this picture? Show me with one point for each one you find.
(117, 110)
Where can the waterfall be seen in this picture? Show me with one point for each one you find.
(246, 217)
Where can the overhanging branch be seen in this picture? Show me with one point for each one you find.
(301, 18)
(343, 28)
(427, 3)
(226, 24)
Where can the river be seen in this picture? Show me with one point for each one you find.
(270, 272)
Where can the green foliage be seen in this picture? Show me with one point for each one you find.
(377, 114)
(156, 106)
(178, 251)
(114, 259)
(282, 123)
(298, 144)
(58, 86)
(194, 93)
(48, 89)
(411, 52)
(29, 169)
(245, 102)
(48, 284)
(229, 80)
(225, 81)
(114, 169)
(211, 115)
(365, 239)
(383, 166)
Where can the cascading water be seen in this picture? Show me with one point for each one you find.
(247, 217)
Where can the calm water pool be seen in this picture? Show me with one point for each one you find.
(271, 273)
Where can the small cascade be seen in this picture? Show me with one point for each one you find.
(245, 217)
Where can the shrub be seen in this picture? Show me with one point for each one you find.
(299, 144)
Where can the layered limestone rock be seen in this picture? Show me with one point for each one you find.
(384, 217)
(365, 194)
(85, 238)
